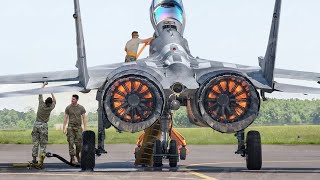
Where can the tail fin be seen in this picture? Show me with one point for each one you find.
(81, 50)
(267, 63)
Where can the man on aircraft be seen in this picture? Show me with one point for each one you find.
(133, 45)
(40, 127)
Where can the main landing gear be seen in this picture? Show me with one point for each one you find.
(250, 149)
(160, 142)
(161, 152)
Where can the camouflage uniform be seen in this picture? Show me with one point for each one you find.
(74, 130)
(40, 128)
(39, 137)
(130, 58)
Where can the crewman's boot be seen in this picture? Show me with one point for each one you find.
(72, 160)
(38, 165)
(41, 160)
(78, 159)
(34, 161)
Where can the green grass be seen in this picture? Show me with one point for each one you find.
(201, 136)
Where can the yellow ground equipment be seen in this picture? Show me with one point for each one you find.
(30, 165)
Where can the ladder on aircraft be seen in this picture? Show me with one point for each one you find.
(144, 152)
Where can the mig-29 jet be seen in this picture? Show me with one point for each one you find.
(140, 95)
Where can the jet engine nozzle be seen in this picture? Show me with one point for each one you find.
(228, 103)
(133, 103)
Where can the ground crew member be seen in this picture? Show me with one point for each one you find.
(40, 127)
(133, 45)
(74, 115)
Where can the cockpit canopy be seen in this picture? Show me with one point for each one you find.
(168, 9)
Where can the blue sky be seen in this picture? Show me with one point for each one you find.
(38, 35)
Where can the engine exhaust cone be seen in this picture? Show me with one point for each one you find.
(133, 103)
(229, 103)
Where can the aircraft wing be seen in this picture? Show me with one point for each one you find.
(54, 89)
(256, 76)
(70, 79)
(58, 76)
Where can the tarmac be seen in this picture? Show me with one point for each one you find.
(203, 162)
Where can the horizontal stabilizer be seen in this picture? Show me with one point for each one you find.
(299, 75)
(289, 88)
(47, 90)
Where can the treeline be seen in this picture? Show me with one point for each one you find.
(273, 112)
(11, 119)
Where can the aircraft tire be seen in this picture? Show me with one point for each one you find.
(254, 152)
(173, 160)
(88, 151)
(157, 160)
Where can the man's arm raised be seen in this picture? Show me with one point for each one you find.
(147, 40)
(53, 98)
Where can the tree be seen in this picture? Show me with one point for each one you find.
(316, 116)
(22, 124)
(30, 117)
(296, 119)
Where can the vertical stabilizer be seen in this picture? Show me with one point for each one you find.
(81, 51)
(267, 63)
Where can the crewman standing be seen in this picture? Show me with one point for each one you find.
(75, 114)
(133, 45)
(40, 127)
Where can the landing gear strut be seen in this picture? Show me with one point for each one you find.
(251, 149)
(103, 124)
(162, 148)
(160, 153)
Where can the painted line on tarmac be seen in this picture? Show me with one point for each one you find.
(220, 163)
(201, 175)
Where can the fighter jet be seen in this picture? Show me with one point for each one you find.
(134, 96)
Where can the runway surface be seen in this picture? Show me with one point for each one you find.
(203, 162)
